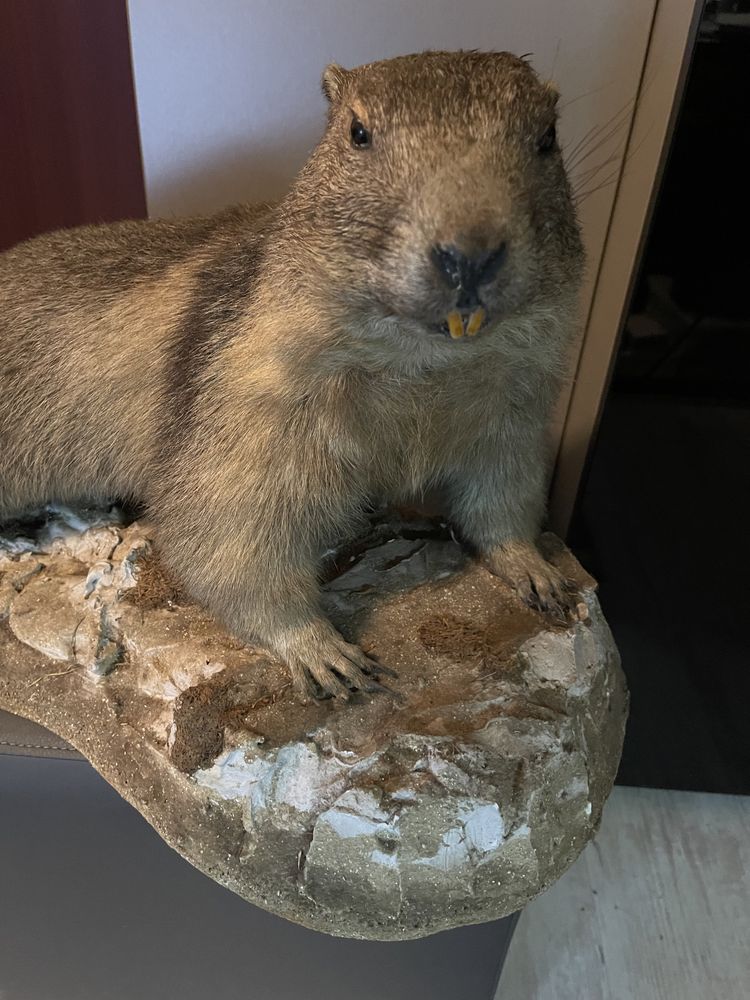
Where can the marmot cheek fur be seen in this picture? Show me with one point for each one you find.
(399, 320)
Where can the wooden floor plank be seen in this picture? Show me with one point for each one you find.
(657, 908)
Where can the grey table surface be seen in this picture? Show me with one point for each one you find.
(95, 906)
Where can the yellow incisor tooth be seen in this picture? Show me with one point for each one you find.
(475, 321)
(455, 324)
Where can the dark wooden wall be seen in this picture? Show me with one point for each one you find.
(69, 143)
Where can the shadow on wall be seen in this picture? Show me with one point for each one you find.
(234, 173)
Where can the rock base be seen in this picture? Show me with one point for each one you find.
(454, 800)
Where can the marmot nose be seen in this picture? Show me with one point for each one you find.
(465, 273)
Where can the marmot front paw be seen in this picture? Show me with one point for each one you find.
(538, 583)
(323, 663)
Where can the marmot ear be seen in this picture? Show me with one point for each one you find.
(334, 80)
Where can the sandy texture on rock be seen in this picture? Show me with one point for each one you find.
(454, 800)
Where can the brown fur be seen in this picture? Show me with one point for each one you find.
(253, 378)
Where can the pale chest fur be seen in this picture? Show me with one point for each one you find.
(468, 403)
(412, 433)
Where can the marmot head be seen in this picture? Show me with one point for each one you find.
(438, 191)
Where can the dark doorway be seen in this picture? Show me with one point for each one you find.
(662, 519)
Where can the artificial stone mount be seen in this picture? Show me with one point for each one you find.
(454, 802)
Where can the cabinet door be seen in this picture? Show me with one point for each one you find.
(655, 108)
(68, 125)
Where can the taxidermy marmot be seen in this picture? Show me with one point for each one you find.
(399, 321)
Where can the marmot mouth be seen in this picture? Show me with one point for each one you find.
(458, 323)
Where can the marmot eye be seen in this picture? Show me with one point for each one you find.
(547, 143)
(360, 136)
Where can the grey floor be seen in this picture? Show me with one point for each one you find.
(657, 908)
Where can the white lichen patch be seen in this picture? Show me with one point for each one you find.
(483, 827)
(60, 587)
(286, 788)
(551, 659)
(233, 774)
